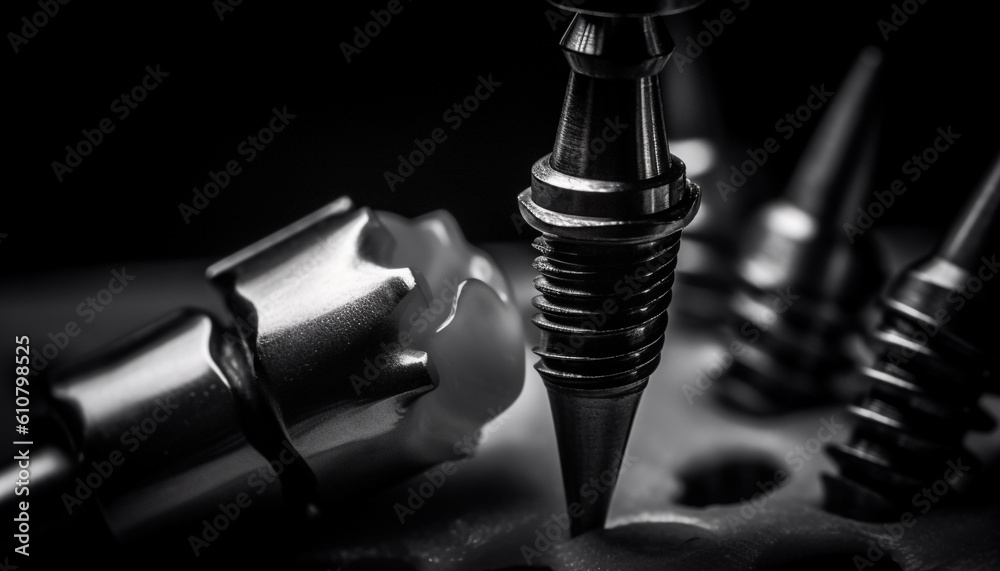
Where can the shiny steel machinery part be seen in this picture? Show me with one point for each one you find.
(610, 202)
(802, 283)
(936, 348)
(342, 370)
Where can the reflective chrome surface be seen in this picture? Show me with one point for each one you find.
(360, 351)
(610, 202)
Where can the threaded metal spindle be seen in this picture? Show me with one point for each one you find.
(935, 357)
(610, 202)
(922, 402)
(603, 308)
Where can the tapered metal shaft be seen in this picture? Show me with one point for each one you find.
(610, 202)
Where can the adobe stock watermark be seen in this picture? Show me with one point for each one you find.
(924, 500)
(122, 107)
(31, 25)
(88, 310)
(898, 17)
(224, 7)
(258, 481)
(694, 46)
(132, 440)
(248, 149)
(795, 459)
(363, 35)
(916, 166)
(555, 525)
(786, 126)
(419, 494)
(555, 16)
(752, 331)
(454, 117)
(613, 128)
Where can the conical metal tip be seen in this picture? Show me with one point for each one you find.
(818, 183)
(975, 229)
(592, 430)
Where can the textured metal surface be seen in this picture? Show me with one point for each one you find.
(936, 355)
(505, 503)
(349, 321)
(177, 374)
(802, 285)
(498, 498)
(360, 351)
(610, 201)
(310, 329)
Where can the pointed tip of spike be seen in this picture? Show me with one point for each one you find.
(840, 142)
(870, 56)
(975, 229)
(592, 430)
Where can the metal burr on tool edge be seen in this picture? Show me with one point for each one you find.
(936, 356)
(610, 202)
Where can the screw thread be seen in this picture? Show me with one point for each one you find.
(925, 389)
(602, 309)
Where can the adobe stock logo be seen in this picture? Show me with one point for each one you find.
(363, 35)
(915, 167)
(248, 148)
(104, 469)
(899, 17)
(222, 8)
(122, 107)
(31, 26)
(454, 116)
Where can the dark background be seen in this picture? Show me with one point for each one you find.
(353, 119)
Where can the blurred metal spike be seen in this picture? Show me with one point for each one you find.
(802, 284)
(974, 231)
(838, 144)
(936, 354)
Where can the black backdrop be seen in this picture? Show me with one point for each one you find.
(353, 119)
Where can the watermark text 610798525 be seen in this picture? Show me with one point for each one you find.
(22, 400)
